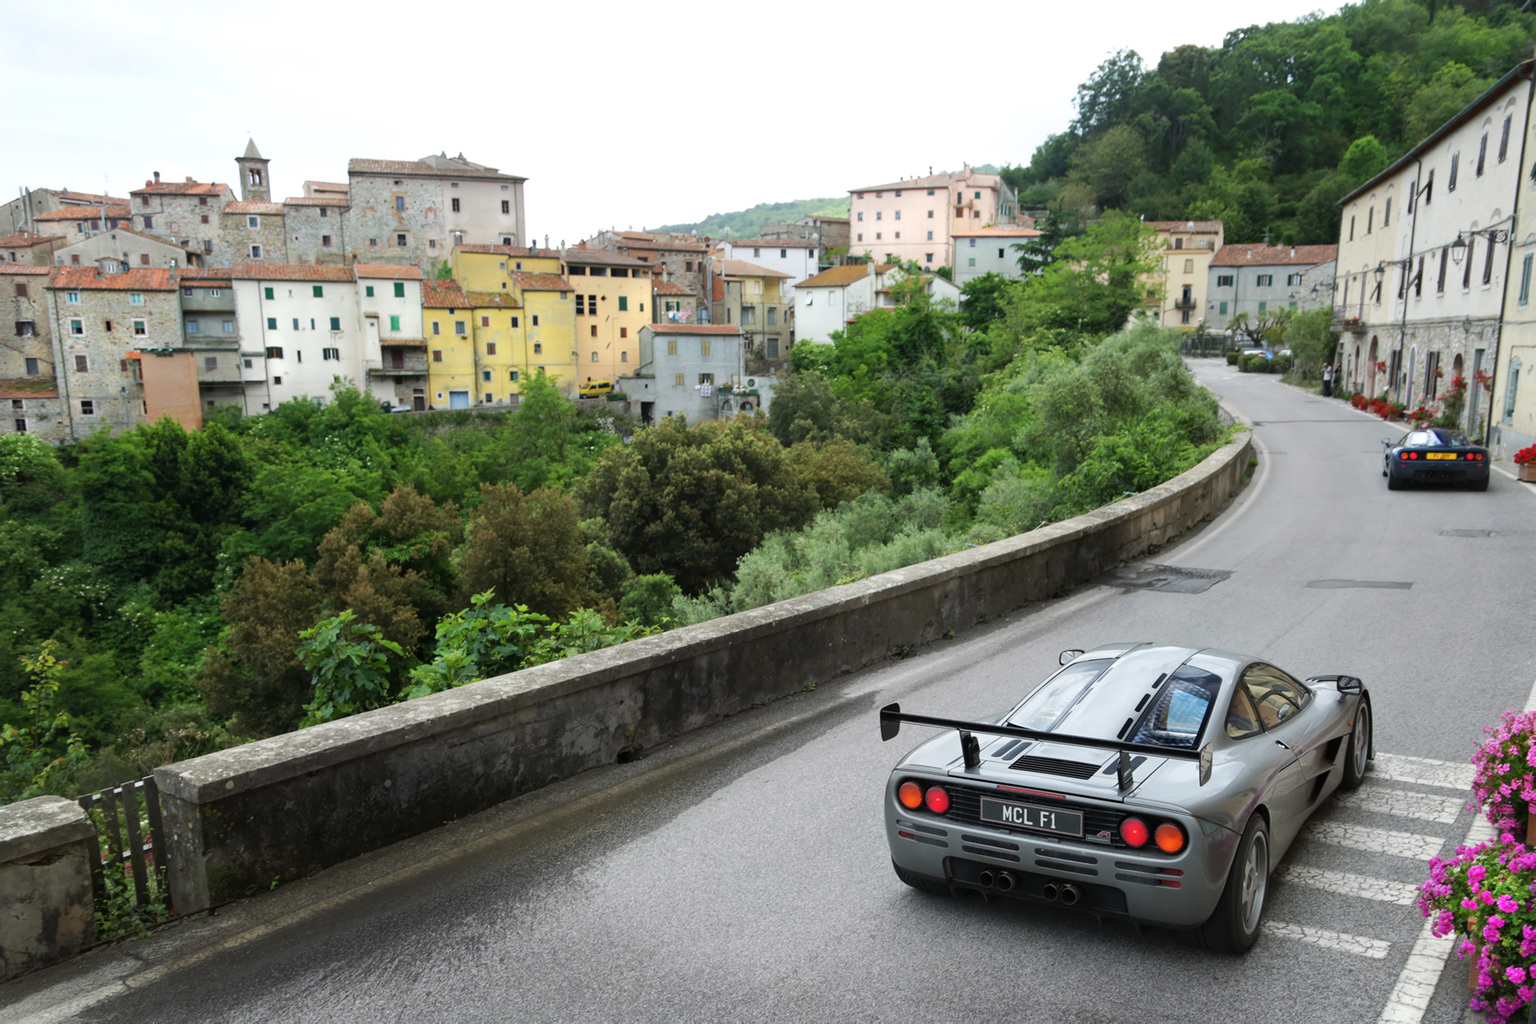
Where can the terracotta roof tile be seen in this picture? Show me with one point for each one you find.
(243, 206)
(771, 243)
(290, 272)
(138, 279)
(603, 257)
(29, 387)
(337, 201)
(484, 300)
(408, 272)
(444, 294)
(7, 267)
(132, 234)
(837, 277)
(327, 186)
(1188, 227)
(669, 288)
(420, 169)
(205, 275)
(73, 213)
(66, 196)
(541, 282)
(944, 179)
(655, 245)
(997, 233)
(511, 250)
(26, 240)
(181, 188)
(692, 329)
(740, 268)
(1243, 255)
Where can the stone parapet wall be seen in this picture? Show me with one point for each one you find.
(291, 805)
(45, 883)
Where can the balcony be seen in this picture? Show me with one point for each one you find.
(401, 362)
(1185, 302)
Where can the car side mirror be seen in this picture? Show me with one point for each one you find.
(1067, 656)
(1349, 684)
(1386, 442)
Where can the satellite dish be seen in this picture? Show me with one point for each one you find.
(751, 383)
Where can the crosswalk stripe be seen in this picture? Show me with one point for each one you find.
(1424, 771)
(1374, 840)
(1346, 884)
(1376, 949)
(1404, 803)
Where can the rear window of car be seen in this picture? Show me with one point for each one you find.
(1177, 715)
(1080, 701)
(1049, 704)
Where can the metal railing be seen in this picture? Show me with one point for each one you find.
(131, 868)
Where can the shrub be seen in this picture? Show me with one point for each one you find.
(1232, 358)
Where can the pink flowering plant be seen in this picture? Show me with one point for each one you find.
(1486, 895)
(1505, 782)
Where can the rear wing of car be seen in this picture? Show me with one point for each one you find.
(891, 717)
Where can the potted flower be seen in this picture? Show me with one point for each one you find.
(1422, 415)
(1505, 780)
(1525, 460)
(1487, 892)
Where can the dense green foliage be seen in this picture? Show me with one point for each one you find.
(1269, 130)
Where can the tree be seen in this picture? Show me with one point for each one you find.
(349, 667)
(690, 501)
(1110, 94)
(836, 470)
(1096, 282)
(804, 407)
(1108, 162)
(981, 301)
(527, 549)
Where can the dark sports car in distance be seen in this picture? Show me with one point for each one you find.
(1434, 455)
(1152, 782)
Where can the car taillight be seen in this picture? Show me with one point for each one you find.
(937, 800)
(1134, 832)
(1170, 837)
(911, 795)
(1410, 455)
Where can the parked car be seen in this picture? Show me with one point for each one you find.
(595, 388)
(1266, 353)
(1434, 455)
(1154, 782)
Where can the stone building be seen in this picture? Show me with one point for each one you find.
(21, 214)
(185, 212)
(826, 232)
(33, 407)
(681, 259)
(416, 211)
(100, 321)
(73, 223)
(1424, 257)
(251, 231)
(315, 228)
(672, 303)
(1262, 279)
(752, 298)
(27, 326)
(121, 248)
(210, 332)
(30, 249)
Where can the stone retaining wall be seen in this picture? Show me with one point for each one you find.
(46, 911)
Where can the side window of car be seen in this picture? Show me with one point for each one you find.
(1274, 694)
(1242, 717)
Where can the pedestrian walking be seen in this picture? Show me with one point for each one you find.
(1328, 381)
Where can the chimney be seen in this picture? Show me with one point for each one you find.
(1293, 252)
(157, 178)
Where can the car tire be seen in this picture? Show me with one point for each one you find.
(1234, 926)
(1360, 749)
(1478, 485)
(1394, 483)
(923, 882)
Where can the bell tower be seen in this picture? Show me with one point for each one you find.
(254, 184)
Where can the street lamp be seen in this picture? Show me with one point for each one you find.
(1459, 247)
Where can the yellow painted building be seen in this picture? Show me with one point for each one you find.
(1184, 250)
(447, 320)
(548, 324)
(489, 268)
(612, 294)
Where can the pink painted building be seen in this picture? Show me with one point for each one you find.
(916, 219)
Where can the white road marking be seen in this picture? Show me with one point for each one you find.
(1376, 949)
(1404, 803)
(1346, 884)
(1424, 771)
(1421, 974)
(1374, 840)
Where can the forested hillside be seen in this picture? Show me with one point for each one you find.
(1268, 131)
(747, 223)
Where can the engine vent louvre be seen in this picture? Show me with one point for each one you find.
(1054, 766)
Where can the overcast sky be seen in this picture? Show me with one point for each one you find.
(619, 114)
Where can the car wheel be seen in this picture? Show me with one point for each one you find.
(1357, 756)
(923, 882)
(1234, 927)
(1394, 483)
(1478, 485)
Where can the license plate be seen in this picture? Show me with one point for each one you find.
(1047, 819)
(1440, 455)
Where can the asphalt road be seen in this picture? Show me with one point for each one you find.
(742, 874)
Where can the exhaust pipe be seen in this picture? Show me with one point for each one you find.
(1051, 891)
(1069, 894)
(1005, 882)
(986, 878)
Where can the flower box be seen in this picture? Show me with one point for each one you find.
(1527, 472)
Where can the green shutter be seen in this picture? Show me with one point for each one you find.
(1223, 310)
(623, 303)
(1525, 279)
(319, 291)
(368, 291)
(394, 323)
(399, 289)
(335, 323)
(268, 291)
(271, 320)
